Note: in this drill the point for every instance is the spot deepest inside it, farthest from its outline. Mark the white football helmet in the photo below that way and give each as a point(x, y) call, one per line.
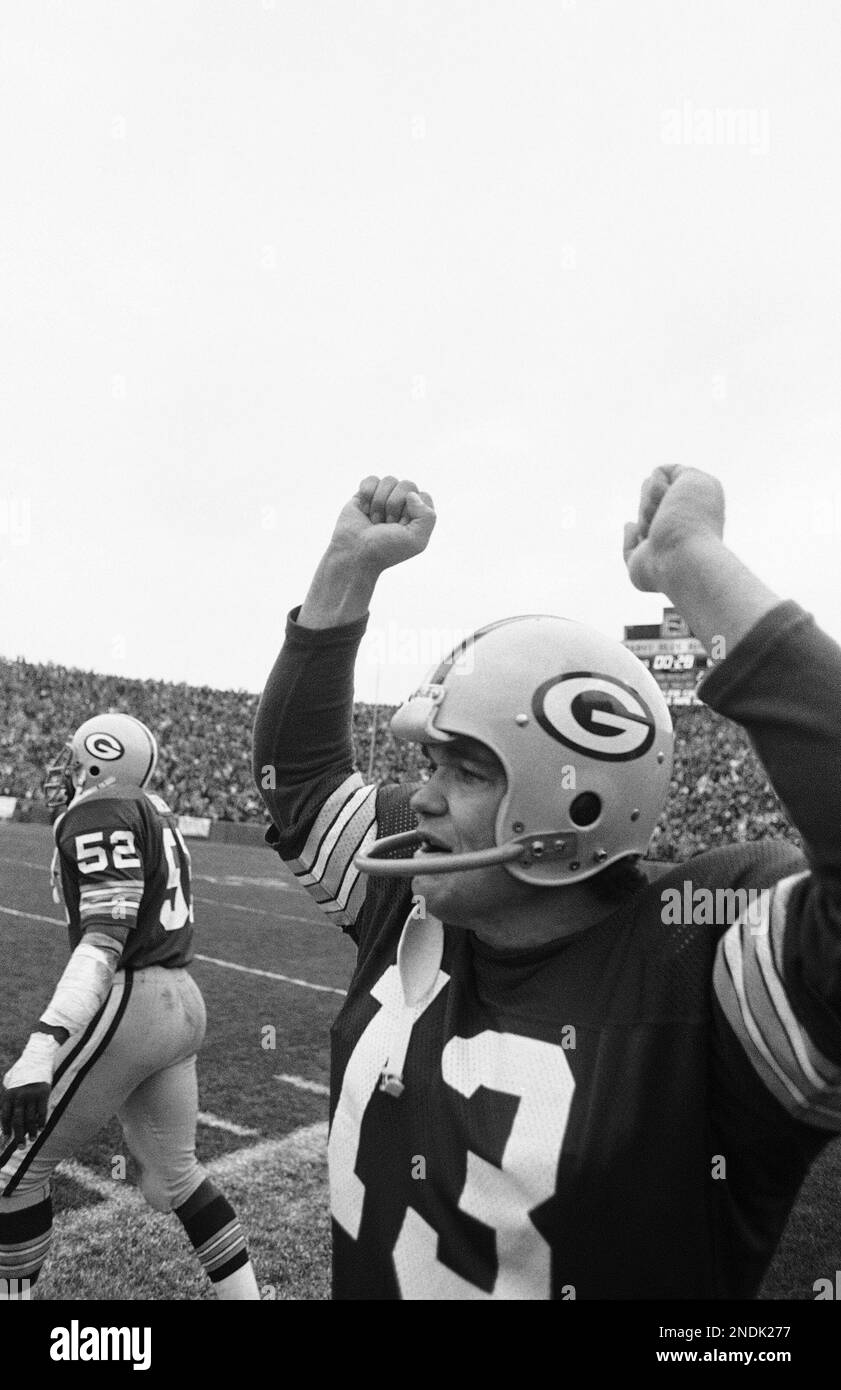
point(582, 731)
point(106, 749)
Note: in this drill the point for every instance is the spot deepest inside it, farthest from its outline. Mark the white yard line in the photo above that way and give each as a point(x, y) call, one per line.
point(33, 916)
point(275, 913)
point(302, 1084)
point(270, 975)
point(234, 907)
point(243, 881)
point(297, 1149)
point(214, 1122)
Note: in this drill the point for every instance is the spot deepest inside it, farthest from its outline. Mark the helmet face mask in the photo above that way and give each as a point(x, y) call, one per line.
point(106, 749)
point(59, 788)
point(581, 730)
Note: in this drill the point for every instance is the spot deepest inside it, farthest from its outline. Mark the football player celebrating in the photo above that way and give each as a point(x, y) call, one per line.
point(122, 1030)
point(544, 1086)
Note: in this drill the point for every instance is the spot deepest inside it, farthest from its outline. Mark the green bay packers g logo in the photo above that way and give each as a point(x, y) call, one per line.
point(104, 746)
point(596, 715)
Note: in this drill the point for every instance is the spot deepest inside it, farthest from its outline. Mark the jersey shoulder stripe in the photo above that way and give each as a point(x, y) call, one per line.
point(345, 823)
point(750, 986)
point(118, 899)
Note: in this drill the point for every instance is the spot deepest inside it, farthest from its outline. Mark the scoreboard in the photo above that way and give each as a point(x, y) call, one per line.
point(675, 658)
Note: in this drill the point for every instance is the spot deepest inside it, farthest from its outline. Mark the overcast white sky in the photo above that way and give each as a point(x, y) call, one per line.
point(253, 250)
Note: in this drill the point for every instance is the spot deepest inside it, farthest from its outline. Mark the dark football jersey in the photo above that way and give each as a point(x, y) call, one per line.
point(122, 860)
point(624, 1113)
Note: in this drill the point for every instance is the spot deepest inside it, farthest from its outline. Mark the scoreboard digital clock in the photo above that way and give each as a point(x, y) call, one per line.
point(674, 657)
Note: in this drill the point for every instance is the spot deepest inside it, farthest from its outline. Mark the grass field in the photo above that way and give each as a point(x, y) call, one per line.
point(264, 1110)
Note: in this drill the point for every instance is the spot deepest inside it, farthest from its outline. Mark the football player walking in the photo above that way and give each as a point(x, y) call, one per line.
point(542, 1085)
point(122, 1030)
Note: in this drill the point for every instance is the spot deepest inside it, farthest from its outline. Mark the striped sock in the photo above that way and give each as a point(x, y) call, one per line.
point(24, 1241)
point(216, 1235)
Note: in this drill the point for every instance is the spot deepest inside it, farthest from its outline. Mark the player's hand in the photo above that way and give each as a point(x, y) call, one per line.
point(678, 506)
point(385, 522)
point(23, 1110)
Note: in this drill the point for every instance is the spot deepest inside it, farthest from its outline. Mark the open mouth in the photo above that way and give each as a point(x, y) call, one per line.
point(431, 846)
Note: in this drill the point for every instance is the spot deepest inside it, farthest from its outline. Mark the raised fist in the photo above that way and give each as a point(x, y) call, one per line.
point(384, 523)
point(677, 507)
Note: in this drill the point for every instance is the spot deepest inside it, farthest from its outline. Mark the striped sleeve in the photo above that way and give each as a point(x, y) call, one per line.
point(116, 900)
point(345, 824)
point(750, 985)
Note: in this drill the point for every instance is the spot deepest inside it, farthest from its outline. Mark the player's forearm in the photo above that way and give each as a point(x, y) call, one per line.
point(720, 598)
point(304, 719)
point(340, 591)
point(80, 993)
point(781, 684)
point(84, 986)
point(302, 732)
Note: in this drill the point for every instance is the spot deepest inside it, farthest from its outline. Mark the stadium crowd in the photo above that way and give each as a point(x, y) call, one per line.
point(719, 792)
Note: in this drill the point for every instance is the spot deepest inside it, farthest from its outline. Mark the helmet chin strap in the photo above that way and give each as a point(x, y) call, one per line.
point(373, 863)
